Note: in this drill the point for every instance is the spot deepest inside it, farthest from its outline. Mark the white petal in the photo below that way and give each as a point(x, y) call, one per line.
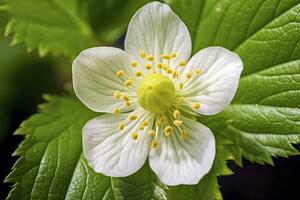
point(218, 82)
point(176, 161)
point(157, 30)
point(111, 151)
point(95, 80)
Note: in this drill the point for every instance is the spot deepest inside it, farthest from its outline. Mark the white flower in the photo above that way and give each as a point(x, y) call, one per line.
point(149, 91)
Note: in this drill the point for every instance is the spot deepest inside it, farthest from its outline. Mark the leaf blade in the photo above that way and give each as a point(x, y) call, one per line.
point(49, 26)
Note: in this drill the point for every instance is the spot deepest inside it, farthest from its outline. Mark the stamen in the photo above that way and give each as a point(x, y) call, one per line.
point(162, 119)
point(128, 103)
point(151, 132)
point(142, 54)
point(173, 55)
point(165, 68)
point(145, 123)
point(175, 74)
point(165, 56)
point(181, 63)
point(138, 73)
point(126, 97)
point(157, 123)
point(177, 122)
point(120, 73)
point(150, 58)
point(183, 134)
point(159, 65)
point(168, 130)
point(180, 85)
point(128, 82)
point(198, 71)
point(133, 63)
point(116, 111)
point(188, 75)
point(121, 126)
point(117, 94)
point(141, 127)
point(181, 99)
point(148, 66)
point(196, 105)
point(176, 113)
point(132, 117)
point(154, 144)
point(134, 136)
point(169, 71)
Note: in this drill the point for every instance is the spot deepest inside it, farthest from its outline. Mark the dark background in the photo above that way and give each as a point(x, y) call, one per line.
point(24, 77)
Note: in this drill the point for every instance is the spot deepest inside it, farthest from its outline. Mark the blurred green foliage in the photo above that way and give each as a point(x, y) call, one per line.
point(23, 78)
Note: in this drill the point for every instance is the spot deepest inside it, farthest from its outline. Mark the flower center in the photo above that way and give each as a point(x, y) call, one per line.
point(156, 93)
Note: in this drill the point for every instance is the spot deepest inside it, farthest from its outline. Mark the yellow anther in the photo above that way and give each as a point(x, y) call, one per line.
point(175, 74)
point(198, 71)
point(168, 130)
point(141, 127)
point(145, 123)
point(142, 54)
point(157, 123)
point(121, 126)
point(177, 122)
point(173, 55)
point(148, 66)
point(159, 65)
point(169, 71)
point(176, 113)
point(116, 111)
point(117, 94)
point(128, 82)
point(180, 85)
point(133, 63)
point(165, 56)
point(163, 119)
point(126, 97)
point(120, 73)
point(151, 132)
point(183, 134)
point(188, 75)
point(134, 136)
point(154, 72)
point(132, 117)
point(150, 58)
point(181, 99)
point(138, 73)
point(196, 105)
point(181, 63)
point(128, 103)
point(154, 144)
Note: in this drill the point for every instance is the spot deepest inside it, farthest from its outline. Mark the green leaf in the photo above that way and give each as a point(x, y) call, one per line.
point(263, 120)
point(51, 26)
point(51, 165)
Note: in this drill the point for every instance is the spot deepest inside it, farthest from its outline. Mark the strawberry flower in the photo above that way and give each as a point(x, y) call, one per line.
point(150, 93)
